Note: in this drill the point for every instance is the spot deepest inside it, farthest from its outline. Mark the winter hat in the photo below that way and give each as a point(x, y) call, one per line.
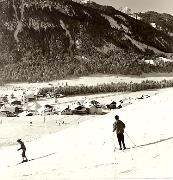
point(19, 140)
point(116, 117)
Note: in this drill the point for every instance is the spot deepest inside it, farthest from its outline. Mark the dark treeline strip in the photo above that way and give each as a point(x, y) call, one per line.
point(106, 88)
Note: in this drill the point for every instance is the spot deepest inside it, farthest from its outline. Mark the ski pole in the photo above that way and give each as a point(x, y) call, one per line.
point(130, 139)
point(114, 146)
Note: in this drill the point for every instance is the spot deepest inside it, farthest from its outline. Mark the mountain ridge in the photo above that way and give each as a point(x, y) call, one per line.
point(44, 35)
point(163, 21)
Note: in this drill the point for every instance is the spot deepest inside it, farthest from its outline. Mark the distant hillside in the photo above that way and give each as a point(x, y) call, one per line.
point(47, 40)
point(163, 22)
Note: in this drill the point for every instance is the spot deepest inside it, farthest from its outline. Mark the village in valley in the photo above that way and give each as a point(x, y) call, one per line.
point(18, 102)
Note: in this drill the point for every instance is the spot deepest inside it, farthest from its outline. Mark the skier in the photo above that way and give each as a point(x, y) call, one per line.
point(23, 150)
point(119, 126)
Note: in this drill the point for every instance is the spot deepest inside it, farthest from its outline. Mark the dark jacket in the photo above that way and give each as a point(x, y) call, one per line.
point(118, 126)
point(22, 146)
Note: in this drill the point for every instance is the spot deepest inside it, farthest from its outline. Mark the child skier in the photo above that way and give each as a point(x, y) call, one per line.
point(23, 150)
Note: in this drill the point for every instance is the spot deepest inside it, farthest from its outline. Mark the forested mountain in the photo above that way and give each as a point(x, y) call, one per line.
point(42, 40)
point(160, 21)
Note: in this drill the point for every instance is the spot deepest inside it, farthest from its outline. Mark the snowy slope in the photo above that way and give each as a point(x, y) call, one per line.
point(86, 150)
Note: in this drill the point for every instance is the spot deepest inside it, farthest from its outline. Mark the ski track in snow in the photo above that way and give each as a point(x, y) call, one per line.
point(86, 150)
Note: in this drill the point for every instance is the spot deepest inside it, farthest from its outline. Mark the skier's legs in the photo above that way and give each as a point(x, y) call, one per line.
point(119, 140)
point(24, 156)
point(122, 140)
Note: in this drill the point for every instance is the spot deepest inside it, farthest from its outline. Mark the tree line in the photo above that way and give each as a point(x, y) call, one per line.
point(106, 88)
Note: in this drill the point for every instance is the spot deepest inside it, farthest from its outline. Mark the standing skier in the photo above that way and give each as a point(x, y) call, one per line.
point(23, 150)
point(119, 126)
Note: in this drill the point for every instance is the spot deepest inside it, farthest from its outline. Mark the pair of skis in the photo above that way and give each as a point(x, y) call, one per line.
point(24, 161)
point(116, 149)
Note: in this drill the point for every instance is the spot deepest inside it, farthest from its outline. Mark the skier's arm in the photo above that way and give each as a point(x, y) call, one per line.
point(124, 126)
point(20, 148)
point(114, 127)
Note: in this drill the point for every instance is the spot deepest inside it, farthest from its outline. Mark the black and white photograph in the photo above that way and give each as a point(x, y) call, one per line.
point(86, 89)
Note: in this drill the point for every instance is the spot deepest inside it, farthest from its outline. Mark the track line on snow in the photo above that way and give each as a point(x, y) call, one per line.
point(152, 143)
point(42, 156)
point(33, 159)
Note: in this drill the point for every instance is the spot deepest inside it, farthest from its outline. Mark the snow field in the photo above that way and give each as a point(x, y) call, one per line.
point(86, 150)
point(93, 80)
point(20, 127)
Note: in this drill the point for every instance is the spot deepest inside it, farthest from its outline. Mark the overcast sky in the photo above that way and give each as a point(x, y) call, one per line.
point(162, 6)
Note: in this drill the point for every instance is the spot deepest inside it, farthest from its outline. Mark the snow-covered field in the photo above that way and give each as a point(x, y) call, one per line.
point(12, 129)
point(84, 148)
point(94, 80)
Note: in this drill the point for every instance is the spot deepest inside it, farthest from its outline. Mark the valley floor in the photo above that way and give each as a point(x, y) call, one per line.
point(20, 127)
point(94, 80)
